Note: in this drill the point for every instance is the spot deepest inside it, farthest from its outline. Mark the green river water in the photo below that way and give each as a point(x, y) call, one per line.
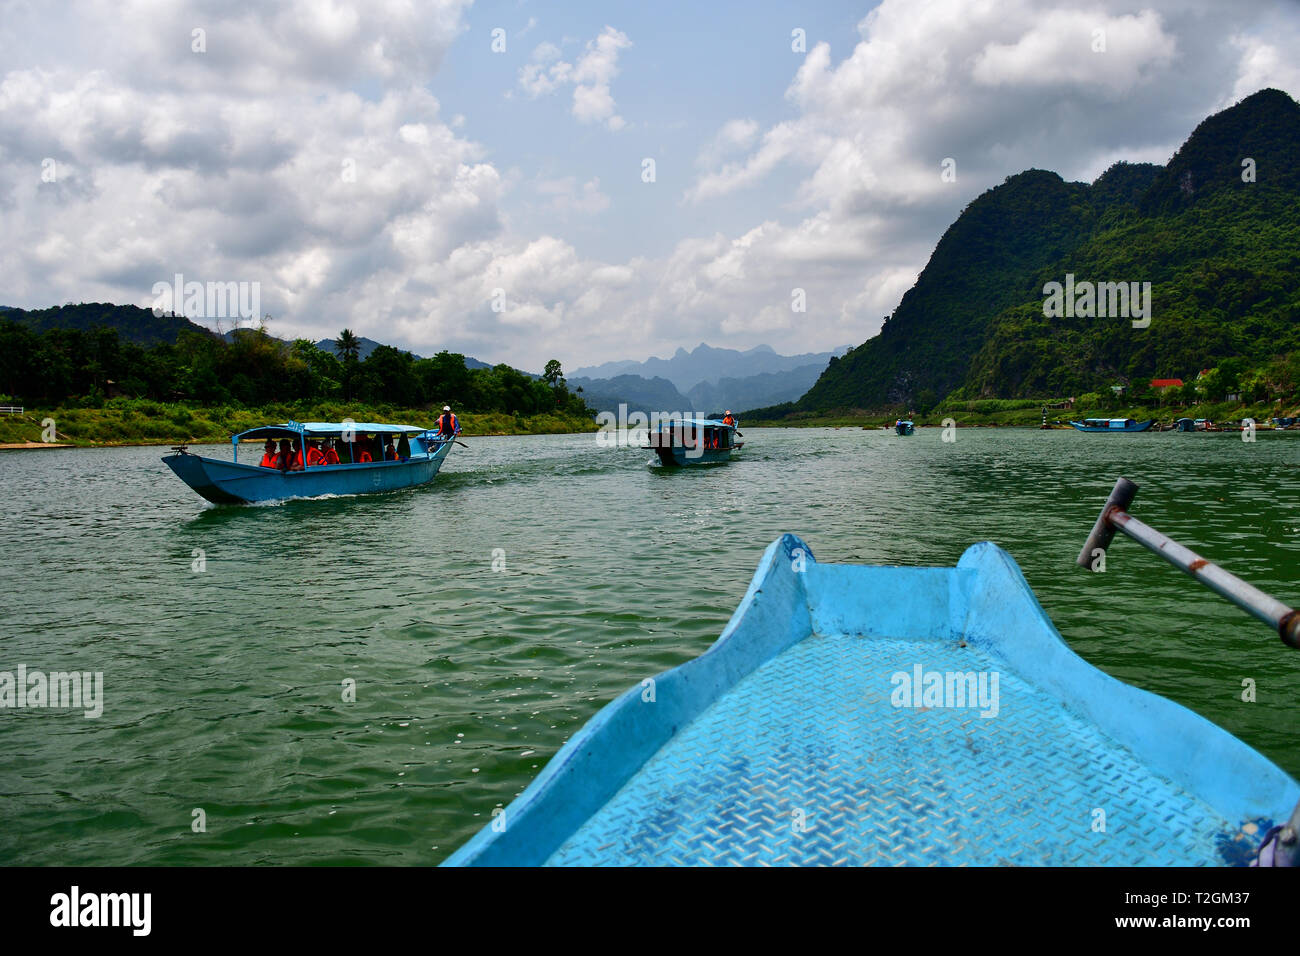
point(223, 688)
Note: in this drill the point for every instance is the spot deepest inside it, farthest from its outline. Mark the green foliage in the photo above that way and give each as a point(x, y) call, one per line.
point(255, 370)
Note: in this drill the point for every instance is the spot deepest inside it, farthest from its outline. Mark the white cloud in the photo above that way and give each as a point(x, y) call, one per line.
point(1079, 48)
point(1263, 62)
point(590, 76)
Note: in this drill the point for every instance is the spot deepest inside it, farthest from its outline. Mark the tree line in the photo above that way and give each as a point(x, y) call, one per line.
point(73, 366)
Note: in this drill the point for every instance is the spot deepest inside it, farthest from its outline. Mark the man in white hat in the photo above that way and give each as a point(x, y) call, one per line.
point(448, 424)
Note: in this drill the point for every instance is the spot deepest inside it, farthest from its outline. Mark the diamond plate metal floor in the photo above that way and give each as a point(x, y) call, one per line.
point(807, 762)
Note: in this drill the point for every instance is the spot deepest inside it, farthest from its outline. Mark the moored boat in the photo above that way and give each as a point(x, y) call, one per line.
point(1185, 425)
point(903, 427)
point(889, 715)
point(1112, 425)
point(694, 441)
point(361, 470)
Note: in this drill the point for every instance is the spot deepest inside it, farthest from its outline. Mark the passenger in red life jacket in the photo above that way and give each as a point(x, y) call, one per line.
point(268, 454)
point(331, 454)
point(448, 424)
point(364, 455)
point(728, 419)
point(284, 460)
point(390, 453)
point(315, 456)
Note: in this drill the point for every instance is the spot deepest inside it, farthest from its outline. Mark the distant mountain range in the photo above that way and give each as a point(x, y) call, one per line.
point(707, 364)
point(705, 379)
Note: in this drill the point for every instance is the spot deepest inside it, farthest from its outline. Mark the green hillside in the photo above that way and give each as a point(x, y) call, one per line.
point(1222, 256)
point(133, 324)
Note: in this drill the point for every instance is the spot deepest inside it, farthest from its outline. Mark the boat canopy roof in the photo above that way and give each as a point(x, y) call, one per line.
point(702, 422)
point(327, 430)
point(1110, 422)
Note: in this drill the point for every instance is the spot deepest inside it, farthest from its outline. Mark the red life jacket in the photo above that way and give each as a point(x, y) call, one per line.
point(315, 456)
point(268, 461)
point(331, 457)
point(447, 424)
point(365, 456)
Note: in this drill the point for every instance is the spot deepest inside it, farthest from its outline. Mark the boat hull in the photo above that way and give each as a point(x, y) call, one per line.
point(678, 457)
point(225, 482)
point(1139, 427)
point(789, 742)
point(904, 428)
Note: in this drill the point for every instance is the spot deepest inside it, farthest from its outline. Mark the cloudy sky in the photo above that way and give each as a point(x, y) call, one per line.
point(478, 176)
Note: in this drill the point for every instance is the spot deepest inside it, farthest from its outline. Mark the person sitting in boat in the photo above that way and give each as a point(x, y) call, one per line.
point(268, 454)
point(315, 457)
point(284, 460)
point(297, 456)
point(448, 424)
point(331, 453)
point(390, 453)
point(728, 419)
point(364, 455)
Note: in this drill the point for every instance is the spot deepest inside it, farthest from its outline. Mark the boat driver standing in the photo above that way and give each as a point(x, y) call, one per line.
point(448, 424)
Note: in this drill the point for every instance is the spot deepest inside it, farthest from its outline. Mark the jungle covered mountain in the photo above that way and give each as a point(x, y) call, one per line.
point(1216, 232)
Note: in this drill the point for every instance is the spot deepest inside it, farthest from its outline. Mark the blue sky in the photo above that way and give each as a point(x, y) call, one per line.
point(683, 78)
point(374, 164)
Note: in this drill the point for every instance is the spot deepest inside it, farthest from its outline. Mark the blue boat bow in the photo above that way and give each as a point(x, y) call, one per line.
point(811, 733)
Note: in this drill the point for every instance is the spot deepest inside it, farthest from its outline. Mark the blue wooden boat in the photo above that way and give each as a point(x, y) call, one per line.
point(235, 482)
point(902, 427)
point(694, 441)
point(1184, 425)
point(877, 715)
point(1113, 425)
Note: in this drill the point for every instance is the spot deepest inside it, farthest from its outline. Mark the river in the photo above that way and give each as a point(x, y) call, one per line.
point(362, 680)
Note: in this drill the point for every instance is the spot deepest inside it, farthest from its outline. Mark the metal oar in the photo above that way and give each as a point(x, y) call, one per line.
point(1115, 517)
point(1281, 845)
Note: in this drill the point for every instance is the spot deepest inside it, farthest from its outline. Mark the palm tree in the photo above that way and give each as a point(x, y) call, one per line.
point(348, 346)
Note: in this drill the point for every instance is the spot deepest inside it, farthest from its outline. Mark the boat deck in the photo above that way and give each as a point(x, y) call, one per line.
point(791, 742)
point(875, 784)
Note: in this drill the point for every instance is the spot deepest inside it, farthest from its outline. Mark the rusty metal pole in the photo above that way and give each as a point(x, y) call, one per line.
point(1115, 517)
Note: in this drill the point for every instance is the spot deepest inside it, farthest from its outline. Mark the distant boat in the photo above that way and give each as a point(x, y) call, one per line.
point(694, 441)
point(902, 427)
point(1185, 425)
point(234, 482)
point(1112, 425)
point(862, 715)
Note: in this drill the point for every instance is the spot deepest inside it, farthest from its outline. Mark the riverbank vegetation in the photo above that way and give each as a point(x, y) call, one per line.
point(122, 421)
point(102, 389)
point(1029, 412)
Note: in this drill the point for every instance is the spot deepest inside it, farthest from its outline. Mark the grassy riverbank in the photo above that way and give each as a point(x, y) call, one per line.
point(144, 422)
point(1025, 412)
